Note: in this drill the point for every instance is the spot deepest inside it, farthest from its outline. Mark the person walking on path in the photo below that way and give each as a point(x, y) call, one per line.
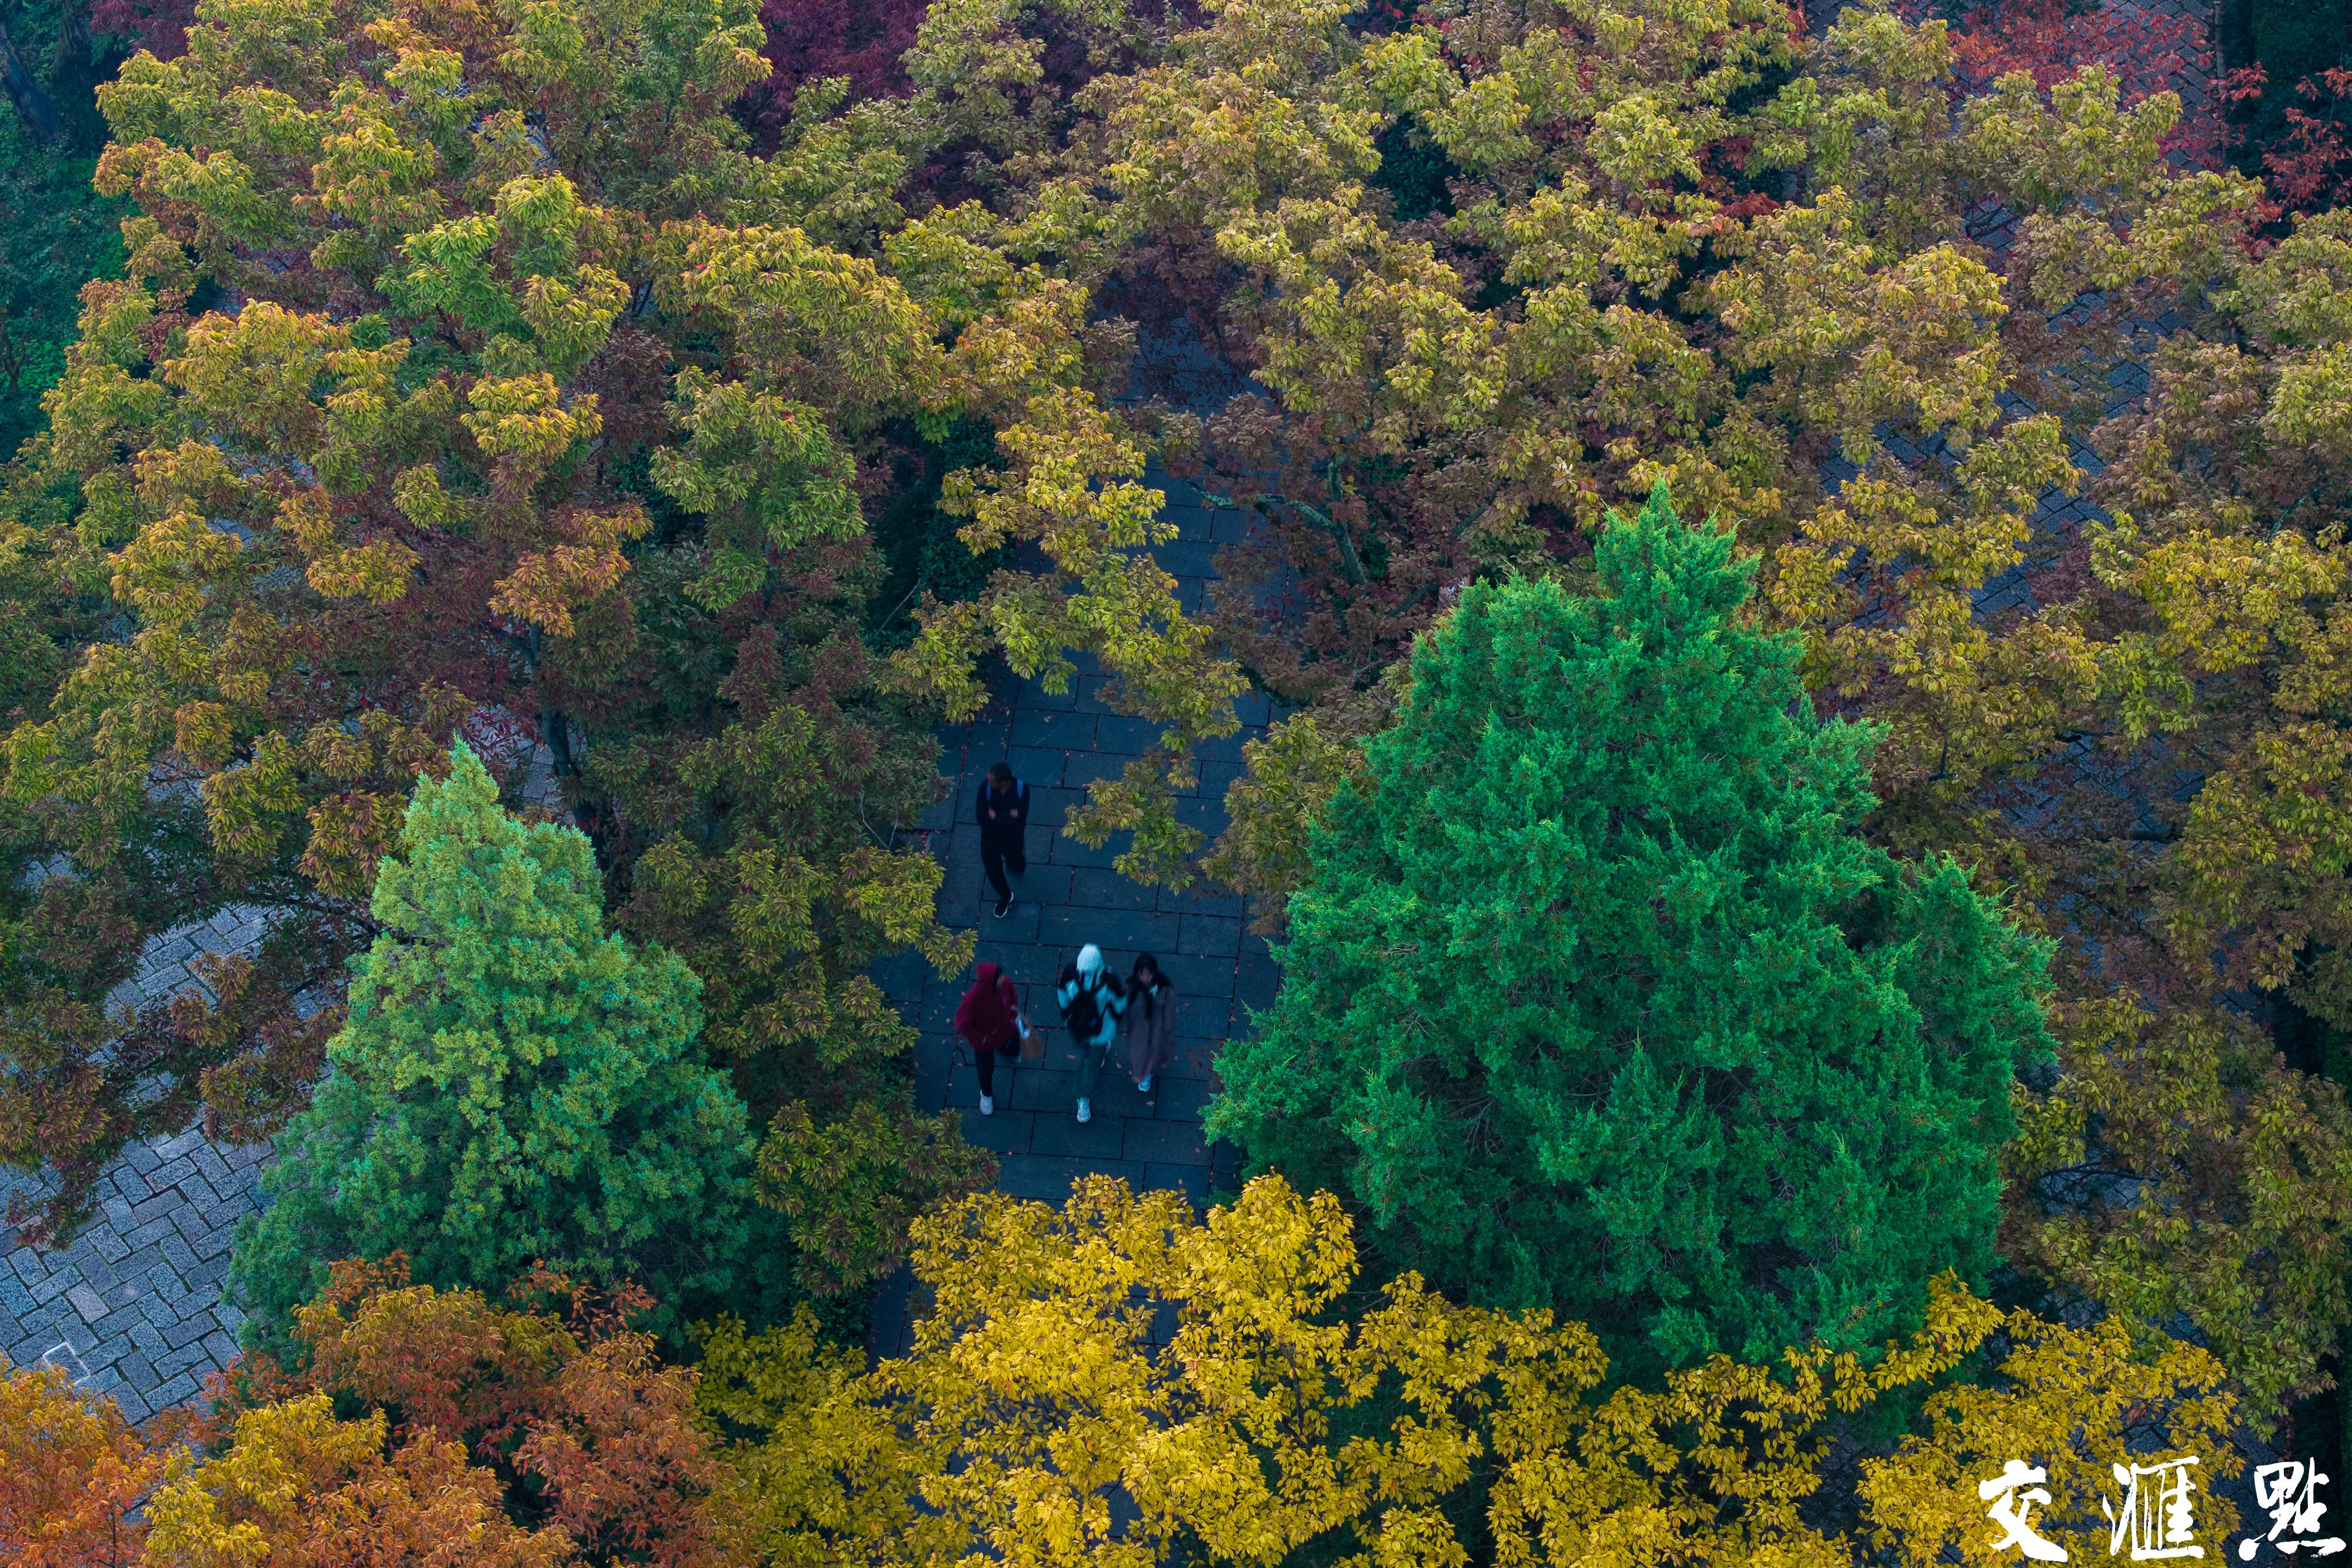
point(989, 1018)
point(1151, 1023)
point(1004, 813)
point(1091, 1002)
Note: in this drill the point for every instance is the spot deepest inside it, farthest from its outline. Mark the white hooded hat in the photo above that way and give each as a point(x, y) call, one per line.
point(1089, 959)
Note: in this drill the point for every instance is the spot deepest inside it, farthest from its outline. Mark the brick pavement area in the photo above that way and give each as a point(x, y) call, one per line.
point(133, 1307)
point(1058, 742)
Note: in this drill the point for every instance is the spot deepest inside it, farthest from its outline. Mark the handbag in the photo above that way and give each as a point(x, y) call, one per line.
point(1032, 1041)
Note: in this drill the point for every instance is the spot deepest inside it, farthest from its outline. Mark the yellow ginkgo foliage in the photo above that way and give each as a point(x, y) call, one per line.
point(1121, 1382)
point(296, 1486)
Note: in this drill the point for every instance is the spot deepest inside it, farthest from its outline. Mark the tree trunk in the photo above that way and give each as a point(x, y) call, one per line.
point(33, 105)
point(75, 64)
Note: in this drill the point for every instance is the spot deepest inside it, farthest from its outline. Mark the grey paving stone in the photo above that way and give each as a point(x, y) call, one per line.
point(1081, 768)
point(1194, 1059)
point(1202, 898)
point(1007, 1132)
point(172, 1363)
point(1049, 1179)
point(1165, 1142)
point(1205, 817)
point(1209, 936)
point(1026, 966)
point(1230, 525)
point(1181, 1099)
point(1187, 558)
point(1048, 807)
point(1064, 1134)
point(1228, 747)
point(1202, 1017)
point(155, 1206)
point(1126, 737)
point(1042, 769)
point(936, 1014)
point(1035, 694)
point(96, 1271)
point(211, 1167)
point(1051, 1090)
point(1051, 729)
point(1254, 983)
point(1044, 885)
point(175, 1391)
point(902, 976)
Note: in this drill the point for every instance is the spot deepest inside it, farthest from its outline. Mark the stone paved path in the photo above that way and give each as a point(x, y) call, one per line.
point(1058, 742)
point(133, 1307)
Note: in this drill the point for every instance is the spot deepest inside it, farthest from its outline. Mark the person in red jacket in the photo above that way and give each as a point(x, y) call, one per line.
point(989, 1018)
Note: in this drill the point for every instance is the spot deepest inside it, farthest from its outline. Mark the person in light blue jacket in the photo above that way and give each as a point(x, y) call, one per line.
point(1092, 1000)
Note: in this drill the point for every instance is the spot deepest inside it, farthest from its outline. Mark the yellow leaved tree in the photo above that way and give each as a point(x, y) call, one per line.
point(1121, 1380)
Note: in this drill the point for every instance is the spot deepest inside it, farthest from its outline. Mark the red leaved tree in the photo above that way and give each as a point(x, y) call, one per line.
point(159, 26)
point(586, 1433)
point(2309, 167)
point(2150, 49)
point(809, 41)
point(71, 1471)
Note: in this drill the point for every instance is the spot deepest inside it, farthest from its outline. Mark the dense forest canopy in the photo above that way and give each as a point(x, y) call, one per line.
point(1803, 575)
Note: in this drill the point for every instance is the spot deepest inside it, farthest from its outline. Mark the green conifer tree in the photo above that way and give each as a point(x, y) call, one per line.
point(1595, 1000)
point(513, 1085)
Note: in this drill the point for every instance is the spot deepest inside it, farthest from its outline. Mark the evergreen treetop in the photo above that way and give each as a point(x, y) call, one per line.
point(513, 1085)
point(1595, 999)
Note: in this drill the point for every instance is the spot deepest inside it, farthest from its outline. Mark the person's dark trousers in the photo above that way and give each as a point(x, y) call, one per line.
point(983, 1063)
point(999, 853)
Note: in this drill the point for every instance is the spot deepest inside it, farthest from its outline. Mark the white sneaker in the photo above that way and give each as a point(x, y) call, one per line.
point(987, 1106)
point(1144, 1087)
point(1086, 1111)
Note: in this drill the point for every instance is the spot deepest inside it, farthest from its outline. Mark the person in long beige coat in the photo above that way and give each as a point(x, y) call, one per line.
point(1150, 1020)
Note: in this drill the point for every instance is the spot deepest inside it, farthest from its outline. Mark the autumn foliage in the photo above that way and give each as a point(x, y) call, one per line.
point(1121, 1378)
point(2308, 168)
point(547, 1431)
point(71, 1472)
point(543, 375)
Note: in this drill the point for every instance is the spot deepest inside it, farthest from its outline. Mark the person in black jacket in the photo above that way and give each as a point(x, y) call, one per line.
point(1004, 813)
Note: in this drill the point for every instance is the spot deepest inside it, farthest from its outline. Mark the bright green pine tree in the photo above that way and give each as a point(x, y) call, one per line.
point(513, 1085)
point(1595, 1000)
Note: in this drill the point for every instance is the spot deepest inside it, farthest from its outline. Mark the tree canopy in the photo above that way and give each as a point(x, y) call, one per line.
point(1293, 1415)
point(512, 1085)
point(685, 406)
point(1596, 1000)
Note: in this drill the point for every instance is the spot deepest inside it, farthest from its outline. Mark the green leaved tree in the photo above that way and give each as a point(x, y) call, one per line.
point(1595, 999)
point(513, 1085)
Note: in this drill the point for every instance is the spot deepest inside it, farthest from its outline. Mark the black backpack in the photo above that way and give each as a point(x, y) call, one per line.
point(1084, 1015)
